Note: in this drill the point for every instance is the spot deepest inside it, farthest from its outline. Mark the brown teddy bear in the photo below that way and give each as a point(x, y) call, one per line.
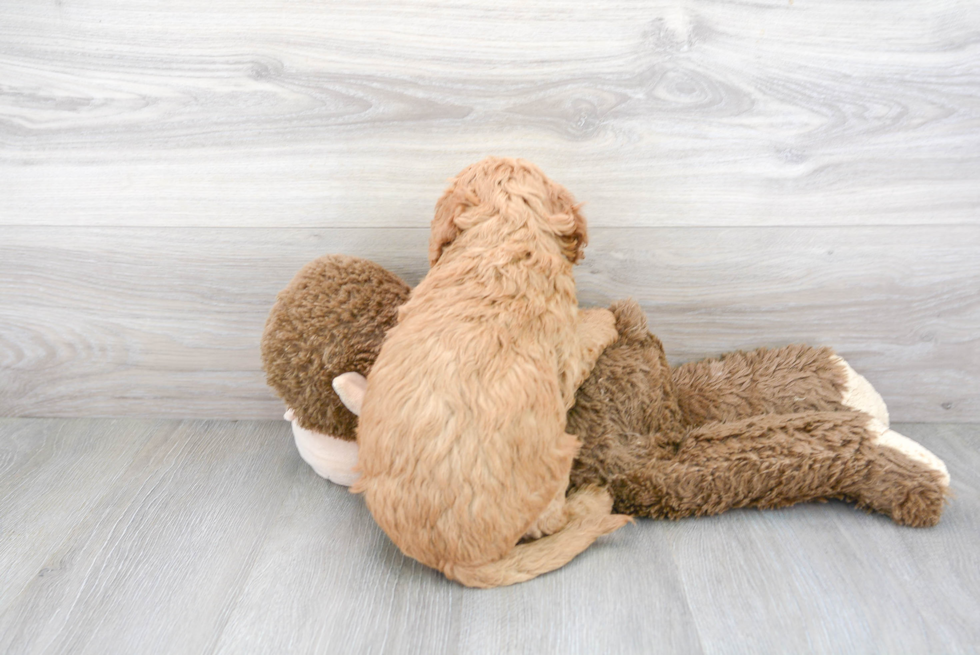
point(330, 320)
point(767, 428)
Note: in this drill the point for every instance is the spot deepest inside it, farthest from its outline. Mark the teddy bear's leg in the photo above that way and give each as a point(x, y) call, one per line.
point(795, 378)
point(902, 479)
point(885, 437)
point(779, 460)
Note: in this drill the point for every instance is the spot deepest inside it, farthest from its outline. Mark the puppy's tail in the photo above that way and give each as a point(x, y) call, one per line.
point(589, 517)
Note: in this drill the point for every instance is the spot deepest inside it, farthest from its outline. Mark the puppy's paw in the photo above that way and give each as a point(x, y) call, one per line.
point(593, 506)
point(550, 520)
point(600, 325)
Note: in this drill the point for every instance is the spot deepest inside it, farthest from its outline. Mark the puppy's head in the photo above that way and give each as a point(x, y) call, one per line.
point(499, 186)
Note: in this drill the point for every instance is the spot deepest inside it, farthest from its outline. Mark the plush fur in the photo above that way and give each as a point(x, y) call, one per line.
point(463, 448)
point(766, 428)
point(331, 319)
point(456, 473)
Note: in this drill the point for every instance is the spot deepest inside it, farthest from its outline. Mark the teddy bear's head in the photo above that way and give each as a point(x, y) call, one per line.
point(330, 319)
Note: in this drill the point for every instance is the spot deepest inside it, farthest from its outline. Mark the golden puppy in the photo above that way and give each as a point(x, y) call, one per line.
point(463, 449)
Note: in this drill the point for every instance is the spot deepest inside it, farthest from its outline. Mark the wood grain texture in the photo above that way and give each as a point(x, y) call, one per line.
point(167, 323)
point(165, 169)
point(47, 487)
point(345, 114)
point(214, 537)
point(826, 581)
point(156, 563)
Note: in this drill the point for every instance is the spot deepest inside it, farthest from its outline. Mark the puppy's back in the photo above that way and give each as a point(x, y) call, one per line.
point(462, 441)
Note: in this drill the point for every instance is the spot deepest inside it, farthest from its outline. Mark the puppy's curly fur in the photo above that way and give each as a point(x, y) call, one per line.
point(463, 447)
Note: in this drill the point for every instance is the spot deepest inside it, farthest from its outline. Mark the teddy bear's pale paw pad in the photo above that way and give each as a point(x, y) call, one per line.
point(330, 457)
point(860, 395)
point(911, 449)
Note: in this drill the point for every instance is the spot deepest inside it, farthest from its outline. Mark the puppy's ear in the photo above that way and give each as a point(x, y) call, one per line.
point(569, 224)
point(449, 220)
point(579, 238)
point(444, 229)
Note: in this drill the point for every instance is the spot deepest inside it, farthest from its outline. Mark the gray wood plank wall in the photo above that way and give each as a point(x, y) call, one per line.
point(755, 173)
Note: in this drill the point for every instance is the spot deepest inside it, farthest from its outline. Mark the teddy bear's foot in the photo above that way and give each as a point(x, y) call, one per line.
point(330, 457)
point(860, 395)
point(900, 478)
point(922, 506)
point(883, 436)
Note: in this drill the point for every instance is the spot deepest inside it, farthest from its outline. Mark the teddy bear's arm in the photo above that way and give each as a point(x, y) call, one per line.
point(779, 460)
point(766, 381)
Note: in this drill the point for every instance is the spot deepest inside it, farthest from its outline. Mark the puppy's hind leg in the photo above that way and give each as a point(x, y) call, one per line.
point(553, 517)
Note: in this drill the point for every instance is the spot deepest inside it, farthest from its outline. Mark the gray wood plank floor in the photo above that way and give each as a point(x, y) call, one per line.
point(138, 536)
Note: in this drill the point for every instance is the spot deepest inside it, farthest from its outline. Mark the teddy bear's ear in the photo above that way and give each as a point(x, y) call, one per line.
point(350, 388)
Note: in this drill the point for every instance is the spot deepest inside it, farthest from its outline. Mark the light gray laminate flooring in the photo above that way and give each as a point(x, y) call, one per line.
point(166, 536)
